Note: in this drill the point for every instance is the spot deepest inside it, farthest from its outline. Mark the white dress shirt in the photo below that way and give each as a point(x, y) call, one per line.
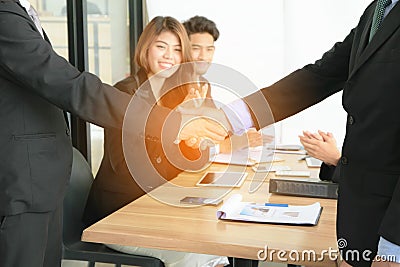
point(27, 6)
point(389, 7)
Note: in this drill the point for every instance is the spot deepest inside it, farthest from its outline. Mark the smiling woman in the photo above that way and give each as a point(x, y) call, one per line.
point(164, 52)
point(162, 46)
point(113, 175)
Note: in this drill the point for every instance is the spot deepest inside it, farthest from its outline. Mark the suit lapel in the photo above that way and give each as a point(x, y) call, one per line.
point(144, 85)
point(365, 36)
point(46, 37)
point(22, 12)
point(388, 27)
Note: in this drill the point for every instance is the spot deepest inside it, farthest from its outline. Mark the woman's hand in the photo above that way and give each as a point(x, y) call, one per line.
point(197, 96)
point(322, 146)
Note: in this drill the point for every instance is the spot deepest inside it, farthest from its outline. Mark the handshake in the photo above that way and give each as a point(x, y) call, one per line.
point(204, 126)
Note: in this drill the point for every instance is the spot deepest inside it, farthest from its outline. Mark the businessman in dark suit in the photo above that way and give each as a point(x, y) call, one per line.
point(36, 85)
point(365, 65)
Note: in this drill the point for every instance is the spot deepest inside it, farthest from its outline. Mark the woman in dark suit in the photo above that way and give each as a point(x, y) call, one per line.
point(365, 67)
point(162, 45)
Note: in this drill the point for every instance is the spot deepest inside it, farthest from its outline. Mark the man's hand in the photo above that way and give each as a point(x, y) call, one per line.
point(322, 146)
point(205, 112)
point(196, 130)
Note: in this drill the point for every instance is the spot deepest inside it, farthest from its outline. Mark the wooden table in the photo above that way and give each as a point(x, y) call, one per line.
point(147, 222)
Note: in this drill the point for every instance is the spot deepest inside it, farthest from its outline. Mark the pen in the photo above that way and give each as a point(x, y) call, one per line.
point(270, 204)
point(276, 205)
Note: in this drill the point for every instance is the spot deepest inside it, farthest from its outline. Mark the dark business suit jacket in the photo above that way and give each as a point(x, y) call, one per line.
point(369, 170)
point(36, 85)
point(114, 185)
point(327, 173)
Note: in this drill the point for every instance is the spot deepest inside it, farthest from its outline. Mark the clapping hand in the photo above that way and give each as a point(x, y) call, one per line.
point(321, 145)
point(196, 96)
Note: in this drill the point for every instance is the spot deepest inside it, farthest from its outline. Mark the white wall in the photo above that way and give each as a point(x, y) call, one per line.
point(312, 27)
point(267, 39)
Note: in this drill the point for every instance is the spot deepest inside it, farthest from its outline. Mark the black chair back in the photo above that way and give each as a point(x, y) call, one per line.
point(75, 198)
point(74, 205)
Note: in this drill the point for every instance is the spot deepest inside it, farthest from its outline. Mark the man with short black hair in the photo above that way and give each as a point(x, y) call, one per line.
point(202, 34)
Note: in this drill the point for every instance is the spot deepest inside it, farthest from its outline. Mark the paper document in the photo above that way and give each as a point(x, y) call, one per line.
point(246, 156)
point(287, 149)
point(236, 210)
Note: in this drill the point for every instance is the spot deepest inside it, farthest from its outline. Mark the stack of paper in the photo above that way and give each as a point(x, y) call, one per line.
point(287, 149)
point(246, 156)
point(236, 210)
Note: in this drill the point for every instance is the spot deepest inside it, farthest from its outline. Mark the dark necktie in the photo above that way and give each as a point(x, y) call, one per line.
point(378, 16)
point(35, 18)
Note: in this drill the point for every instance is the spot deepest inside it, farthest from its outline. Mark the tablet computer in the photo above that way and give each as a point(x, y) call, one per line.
point(224, 179)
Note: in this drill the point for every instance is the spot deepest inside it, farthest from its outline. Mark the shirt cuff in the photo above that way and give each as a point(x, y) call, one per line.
point(388, 251)
point(239, 116)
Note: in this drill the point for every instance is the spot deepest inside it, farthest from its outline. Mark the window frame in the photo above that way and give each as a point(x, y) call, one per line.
point(78, 57)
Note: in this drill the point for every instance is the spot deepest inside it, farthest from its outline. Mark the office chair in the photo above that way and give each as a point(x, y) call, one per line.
point(74, 204)
point(236, 262)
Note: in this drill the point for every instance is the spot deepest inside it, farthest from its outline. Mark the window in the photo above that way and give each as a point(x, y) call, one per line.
point(108, 54)
point(54, 23)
